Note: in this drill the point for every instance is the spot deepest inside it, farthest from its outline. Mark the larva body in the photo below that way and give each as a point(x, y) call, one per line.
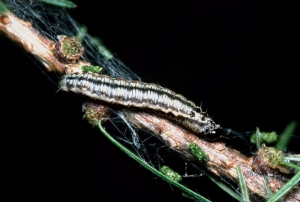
point(140, 95)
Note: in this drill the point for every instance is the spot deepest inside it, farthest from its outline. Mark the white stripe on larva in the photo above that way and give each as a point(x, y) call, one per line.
point(142, 96)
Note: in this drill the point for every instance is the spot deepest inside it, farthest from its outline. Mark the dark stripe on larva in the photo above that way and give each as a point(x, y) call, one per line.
point(140, 95)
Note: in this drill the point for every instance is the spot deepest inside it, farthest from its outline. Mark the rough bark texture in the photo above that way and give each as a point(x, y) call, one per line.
point(43, 49)
point(222, 161)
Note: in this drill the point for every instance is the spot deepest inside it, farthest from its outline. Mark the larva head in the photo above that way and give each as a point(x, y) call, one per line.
point(213, 131)
point(215, 134)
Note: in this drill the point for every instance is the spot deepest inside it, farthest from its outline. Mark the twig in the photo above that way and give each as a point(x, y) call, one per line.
point(222, 161)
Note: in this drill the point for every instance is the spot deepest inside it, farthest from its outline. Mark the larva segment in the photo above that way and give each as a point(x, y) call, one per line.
point(140, 95)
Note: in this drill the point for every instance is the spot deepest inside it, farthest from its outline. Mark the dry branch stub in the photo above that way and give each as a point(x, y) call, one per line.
point(222, 160)
point(38, 45)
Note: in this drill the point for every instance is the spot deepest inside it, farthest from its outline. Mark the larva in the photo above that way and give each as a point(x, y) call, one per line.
point(147, 96)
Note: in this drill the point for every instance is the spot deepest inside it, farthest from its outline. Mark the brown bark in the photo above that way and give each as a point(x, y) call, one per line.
point(222, 161)
point(42, 48)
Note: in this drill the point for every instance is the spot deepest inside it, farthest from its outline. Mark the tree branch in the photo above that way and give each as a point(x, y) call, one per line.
point(222, 161)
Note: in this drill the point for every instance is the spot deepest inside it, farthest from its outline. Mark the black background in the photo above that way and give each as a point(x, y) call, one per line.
point(236, 58)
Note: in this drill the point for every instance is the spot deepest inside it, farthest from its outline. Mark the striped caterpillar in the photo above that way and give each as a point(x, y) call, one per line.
point(147, 96)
